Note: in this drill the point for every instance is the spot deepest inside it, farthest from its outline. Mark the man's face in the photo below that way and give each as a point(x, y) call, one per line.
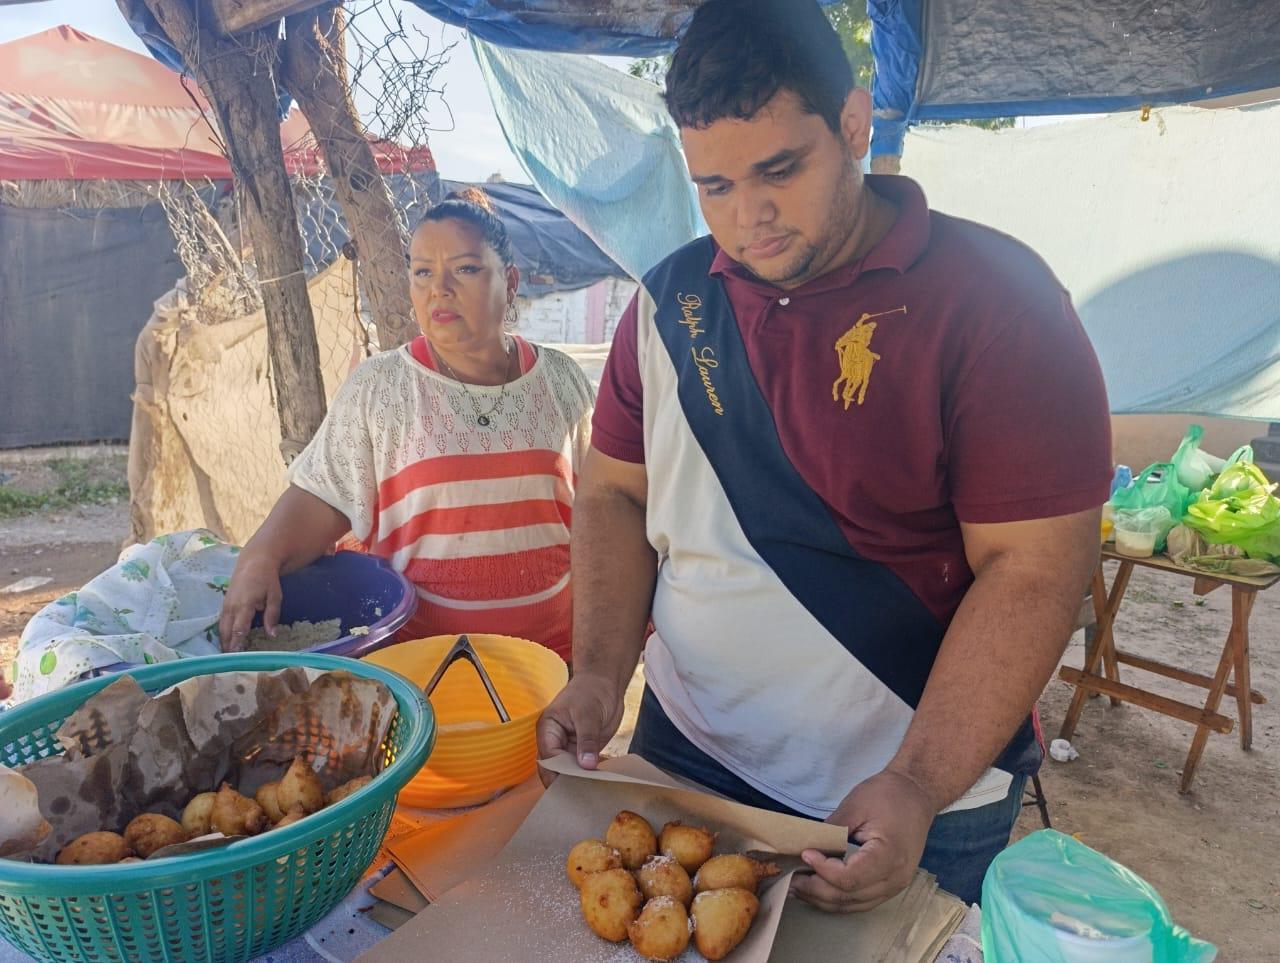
point(780, 191)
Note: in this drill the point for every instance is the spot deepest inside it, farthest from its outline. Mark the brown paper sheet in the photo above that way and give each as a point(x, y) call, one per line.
point(910, 928)
point(389, 915)
point(397, 889)
point(444, 854)
point(128, 753)
point(523, 906)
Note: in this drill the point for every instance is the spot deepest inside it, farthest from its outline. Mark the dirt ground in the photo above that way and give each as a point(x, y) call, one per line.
point(67, 543)
point(1214, 854)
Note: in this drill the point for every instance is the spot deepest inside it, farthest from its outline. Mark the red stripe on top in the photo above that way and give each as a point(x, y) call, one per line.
point(423, 354)
point(491, 578)
point(448, 468)
point(528, 354)
point(476, 518)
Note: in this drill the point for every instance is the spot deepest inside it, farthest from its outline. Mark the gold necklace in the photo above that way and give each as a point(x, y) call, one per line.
point(482, 419)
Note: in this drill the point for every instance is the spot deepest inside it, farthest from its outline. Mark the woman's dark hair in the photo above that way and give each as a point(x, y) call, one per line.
point(738, 54)
point(474, 206)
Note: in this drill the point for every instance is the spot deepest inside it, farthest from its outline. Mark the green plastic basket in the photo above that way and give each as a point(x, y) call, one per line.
point(227, 904)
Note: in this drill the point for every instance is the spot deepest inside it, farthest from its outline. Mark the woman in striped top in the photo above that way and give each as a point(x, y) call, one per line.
point(454, 456)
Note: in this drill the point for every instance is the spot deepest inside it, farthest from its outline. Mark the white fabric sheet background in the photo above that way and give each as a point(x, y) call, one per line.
point(1166, 231)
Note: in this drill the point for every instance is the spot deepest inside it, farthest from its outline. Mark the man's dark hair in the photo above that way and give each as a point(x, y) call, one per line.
point(738, 54)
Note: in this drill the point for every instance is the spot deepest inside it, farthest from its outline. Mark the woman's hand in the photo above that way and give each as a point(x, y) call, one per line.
point(255, 587)
point(298, 531)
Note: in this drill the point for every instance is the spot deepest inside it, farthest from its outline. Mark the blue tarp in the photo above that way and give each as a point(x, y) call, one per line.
point(959, 59)
point(620, 28)
point(956, 59)
point(935, 59)
point(550, 251)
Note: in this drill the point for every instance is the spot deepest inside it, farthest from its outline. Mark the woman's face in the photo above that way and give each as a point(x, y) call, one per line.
point(459, 286)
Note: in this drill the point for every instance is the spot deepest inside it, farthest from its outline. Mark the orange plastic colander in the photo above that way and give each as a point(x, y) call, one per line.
point(476, 756)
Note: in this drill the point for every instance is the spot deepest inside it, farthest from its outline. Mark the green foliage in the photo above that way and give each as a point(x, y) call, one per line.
point(76, 486)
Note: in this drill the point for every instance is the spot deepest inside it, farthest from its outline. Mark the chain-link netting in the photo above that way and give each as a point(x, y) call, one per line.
point(205, 443)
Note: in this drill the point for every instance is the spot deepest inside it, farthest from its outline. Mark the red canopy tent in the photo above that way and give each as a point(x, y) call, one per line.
point(73, 107)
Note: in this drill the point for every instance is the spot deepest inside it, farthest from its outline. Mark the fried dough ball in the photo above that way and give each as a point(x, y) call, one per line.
point(94, 849)
point(291, 817)
point(195, 818)
point(236, 815)
point(732, 871)
point(661, 931)
point(346, 789)
point(664, 876)
point(268, 797)
point(632, 836)
point(300, 787)
point(691, 845)
point(721, 919)
point(590, 856)
point(610, 903)
point(151, 831)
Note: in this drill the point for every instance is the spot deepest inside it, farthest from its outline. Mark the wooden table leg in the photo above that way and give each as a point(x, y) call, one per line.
point(1110, 667)
point(1241, 611)
point(1098, 596)
point(1237, 638)
point(1106, 619)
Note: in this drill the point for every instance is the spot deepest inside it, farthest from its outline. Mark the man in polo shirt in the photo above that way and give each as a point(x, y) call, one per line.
point(848, 456)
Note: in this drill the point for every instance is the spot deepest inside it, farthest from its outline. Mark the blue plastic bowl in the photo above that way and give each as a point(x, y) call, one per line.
point(360, 590)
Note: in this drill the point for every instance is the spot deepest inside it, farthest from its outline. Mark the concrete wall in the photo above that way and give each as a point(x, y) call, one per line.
point(1139, 440)
point(564, 317)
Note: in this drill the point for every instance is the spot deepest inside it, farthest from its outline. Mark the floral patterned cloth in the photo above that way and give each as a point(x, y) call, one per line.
point(159, 602)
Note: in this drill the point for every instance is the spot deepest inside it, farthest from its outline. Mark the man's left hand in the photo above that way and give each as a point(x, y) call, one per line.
point(889, 816)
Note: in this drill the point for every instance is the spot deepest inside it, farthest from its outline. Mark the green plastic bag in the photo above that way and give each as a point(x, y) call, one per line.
point(1156, 487)
point(1240, 509)
point(1194, 466)
point(1052, 899)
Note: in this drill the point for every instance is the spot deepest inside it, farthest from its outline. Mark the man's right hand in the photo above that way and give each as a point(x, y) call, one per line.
point(581, 719)
point(255, 587)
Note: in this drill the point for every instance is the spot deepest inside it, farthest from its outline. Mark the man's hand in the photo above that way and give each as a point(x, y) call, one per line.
point(581, 719)
point(889, 816)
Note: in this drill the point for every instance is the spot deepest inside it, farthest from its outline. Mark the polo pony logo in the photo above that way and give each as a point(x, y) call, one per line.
point(853, 349)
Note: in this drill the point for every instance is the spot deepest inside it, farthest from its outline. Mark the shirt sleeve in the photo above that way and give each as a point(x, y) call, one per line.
point(1029, 429)
point(337, 466)
point(618, 425)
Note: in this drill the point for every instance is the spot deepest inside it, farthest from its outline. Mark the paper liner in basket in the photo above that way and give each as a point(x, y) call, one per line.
point(128, 753)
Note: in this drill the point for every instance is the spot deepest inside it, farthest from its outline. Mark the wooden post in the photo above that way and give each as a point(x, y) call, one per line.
point(237, 76)
point(236, 16)
point(314, 70)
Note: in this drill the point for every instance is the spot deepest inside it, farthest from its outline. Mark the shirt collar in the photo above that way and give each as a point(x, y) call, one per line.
point(898, 250)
